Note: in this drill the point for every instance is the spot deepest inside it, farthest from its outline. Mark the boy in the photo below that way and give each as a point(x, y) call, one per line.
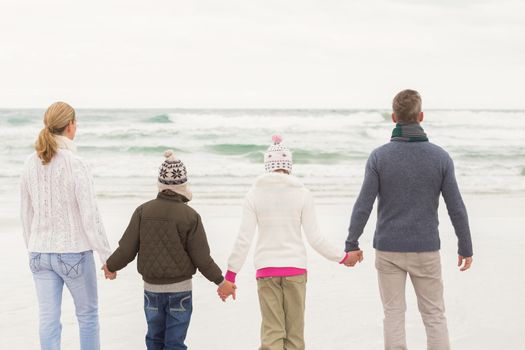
point(171, 244)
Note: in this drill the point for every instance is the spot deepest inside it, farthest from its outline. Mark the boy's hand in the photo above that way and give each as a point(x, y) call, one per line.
point(108, 274)
point(226, 288)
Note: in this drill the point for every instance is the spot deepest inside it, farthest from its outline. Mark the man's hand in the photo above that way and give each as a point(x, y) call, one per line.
point(108, 274)
point(464, 262)
point(353, 258)
point(226, 288)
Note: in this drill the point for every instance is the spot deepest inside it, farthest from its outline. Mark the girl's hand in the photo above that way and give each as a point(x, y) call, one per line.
point(226, 288)
point(353, 258)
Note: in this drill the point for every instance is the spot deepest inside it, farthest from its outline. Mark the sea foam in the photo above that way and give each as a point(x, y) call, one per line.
point(223, 149)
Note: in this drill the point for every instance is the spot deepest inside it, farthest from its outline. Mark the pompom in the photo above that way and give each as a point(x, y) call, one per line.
point(168, 153)
point(277, 139)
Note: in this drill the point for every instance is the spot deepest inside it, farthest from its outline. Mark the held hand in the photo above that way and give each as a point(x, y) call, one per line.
point(353, 258)
point(108, 274)
point(464, 263)
point(226, 288)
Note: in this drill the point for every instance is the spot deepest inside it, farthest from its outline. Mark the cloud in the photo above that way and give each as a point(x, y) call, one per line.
point(261, 53)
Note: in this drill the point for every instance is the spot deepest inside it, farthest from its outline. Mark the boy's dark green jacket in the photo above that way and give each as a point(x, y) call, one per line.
point(170, 240)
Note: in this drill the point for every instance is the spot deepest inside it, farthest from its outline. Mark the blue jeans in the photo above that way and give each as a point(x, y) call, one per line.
point(168, 316)
point(77, 271)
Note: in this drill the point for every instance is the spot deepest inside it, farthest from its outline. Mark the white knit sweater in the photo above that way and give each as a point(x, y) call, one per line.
point(58, 206)
point(278, 205)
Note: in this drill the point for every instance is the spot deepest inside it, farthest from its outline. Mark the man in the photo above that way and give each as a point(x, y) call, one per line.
point(407, 176)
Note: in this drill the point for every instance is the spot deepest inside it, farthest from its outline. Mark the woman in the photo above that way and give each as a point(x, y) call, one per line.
point(278, 205)
point(62, 227)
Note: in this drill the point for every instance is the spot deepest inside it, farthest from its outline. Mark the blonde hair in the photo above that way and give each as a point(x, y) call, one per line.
point(56, 119)
point(407, 106)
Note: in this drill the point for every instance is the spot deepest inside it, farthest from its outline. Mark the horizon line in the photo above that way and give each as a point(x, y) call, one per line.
point(272, 109)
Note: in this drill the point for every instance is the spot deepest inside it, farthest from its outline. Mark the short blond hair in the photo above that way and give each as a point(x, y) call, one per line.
point(407, 106)
point(56, 119)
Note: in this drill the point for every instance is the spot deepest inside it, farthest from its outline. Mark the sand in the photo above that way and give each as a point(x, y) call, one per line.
point(485, 306)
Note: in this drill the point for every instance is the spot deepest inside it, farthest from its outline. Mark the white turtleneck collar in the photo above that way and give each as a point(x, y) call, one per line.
point(65, 143)
point(277, 179)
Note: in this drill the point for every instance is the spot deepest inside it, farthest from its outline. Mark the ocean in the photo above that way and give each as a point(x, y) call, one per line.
point(223, 149)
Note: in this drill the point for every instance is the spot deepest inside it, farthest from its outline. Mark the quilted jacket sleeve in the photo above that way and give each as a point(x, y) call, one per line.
point(128, 246)
point(199, 252)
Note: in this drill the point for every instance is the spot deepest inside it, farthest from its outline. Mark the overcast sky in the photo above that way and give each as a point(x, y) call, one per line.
point(262, 54)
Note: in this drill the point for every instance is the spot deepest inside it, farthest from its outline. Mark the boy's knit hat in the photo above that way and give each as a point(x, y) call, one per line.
point(172, 171)
point(173, 175)
point(278, 156)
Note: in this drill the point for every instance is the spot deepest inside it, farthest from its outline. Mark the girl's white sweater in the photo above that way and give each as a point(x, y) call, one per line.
point(58, 206)
point(278, 205)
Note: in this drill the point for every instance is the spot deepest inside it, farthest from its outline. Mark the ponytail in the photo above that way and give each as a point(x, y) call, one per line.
point(56, 119)
point(46, 146)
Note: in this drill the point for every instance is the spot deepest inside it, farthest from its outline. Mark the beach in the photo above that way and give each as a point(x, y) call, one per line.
point(214, 84)
point(222, 150)
point(484, 305)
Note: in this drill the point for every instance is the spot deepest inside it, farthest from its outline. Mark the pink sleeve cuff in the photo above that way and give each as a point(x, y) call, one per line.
point(230, 276)
point(344, 258)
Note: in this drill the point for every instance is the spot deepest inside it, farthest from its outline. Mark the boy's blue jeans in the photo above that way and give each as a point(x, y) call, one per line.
point(168, 316)
point(77, 271)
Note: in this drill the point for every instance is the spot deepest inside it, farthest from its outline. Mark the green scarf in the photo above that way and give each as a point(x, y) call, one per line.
point(409, 133)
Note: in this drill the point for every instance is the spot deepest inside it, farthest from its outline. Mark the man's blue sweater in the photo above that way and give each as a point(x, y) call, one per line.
point(407, 178)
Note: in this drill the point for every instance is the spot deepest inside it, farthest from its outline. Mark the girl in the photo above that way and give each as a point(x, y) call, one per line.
point(278, 205)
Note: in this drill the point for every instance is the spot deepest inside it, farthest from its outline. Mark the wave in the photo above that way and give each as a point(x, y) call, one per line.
point(236, 149)
point(386, 115)
point(255, 157)
point(20, 120)
point(130, 134)
point(130, 149)
point(490, 155)
point(224, 149)
point(159, 119)
point(255, 153)
point(318, 157)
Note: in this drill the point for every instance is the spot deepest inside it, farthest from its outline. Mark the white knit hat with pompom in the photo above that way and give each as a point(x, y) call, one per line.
point(278, 156)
